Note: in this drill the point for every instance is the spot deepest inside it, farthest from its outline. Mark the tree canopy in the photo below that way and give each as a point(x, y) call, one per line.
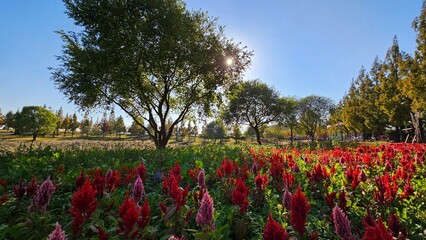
point(314, 112)
point(35, 120)
point(253, 103)
point(156, 60)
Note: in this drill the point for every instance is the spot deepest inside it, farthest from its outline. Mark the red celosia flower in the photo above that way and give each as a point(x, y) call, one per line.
point(163, 208)
point(394, 224)
point(219, 173)
point(386, 189)
point(175, 171)
point(128, 213)
point(19, 190)
point(288, 179)
point(141, 171)
point(112, 179)
point(313, 236)
point(98, 182)
point(181, 199)
point(4, 199)
point(319, 173)
point(144, 215)
point(80, 179)
point(227, 166)
point(299, 209)
point(362, 177)
point(83, 205)
point(368, 220)
point(273, 230)
point(239, 196)
point(343, 201)
point(261, 181)
point(408, 190)
point(329, 199)
point(102, 234)
point(32, 187)
point(377, 232)
point(341, 224)
point(57, 234)
point(3, 183)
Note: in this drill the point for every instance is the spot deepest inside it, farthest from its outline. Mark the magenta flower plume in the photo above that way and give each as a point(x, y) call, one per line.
point(138, 190)
point(286, 199)
point(57, 234)
point(42, 198)
point(205, 213)
point(342, 225)
point(201, 179)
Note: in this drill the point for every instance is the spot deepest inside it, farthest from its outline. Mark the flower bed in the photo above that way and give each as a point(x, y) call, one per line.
point(215, 193)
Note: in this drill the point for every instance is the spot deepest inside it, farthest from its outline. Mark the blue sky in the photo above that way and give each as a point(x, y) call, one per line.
point(300, 47)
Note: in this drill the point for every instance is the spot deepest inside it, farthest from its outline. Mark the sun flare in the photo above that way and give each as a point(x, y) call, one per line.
point(229, 61)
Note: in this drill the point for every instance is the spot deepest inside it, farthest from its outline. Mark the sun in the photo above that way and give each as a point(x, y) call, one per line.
point(229, 61)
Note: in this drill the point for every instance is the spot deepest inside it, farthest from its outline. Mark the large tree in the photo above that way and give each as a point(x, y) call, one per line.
point(253, 103)
point(314, 112)
point(391, 100)
point(289, 107)
point(414, 82)
point(156, 60)
point(74, 124)
point(36, 120)
point(9, 120)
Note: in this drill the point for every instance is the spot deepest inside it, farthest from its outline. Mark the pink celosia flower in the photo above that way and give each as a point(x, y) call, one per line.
point(205, 213)
point(341, 224)
point(201, 179)
point(138, 190)
point(57, 234)
point(286, 199)
point(42, 198)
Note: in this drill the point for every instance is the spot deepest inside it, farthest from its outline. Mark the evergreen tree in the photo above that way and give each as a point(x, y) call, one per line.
point(60, 117)
point(135, 129)
point(352, 107)
point(112, 122)
point(86, 124)
point(391, 100)
point(74, 124)
point(104, 125)
point(119, 126)
point(414, 83)
point(9, 120)
point(66, 124)
point(288, 116)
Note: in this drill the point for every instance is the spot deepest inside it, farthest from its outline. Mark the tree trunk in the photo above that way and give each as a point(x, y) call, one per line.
point(35, 136)
point(72, 133)
point(416, 125)
point(291, 136)
point(256, 130)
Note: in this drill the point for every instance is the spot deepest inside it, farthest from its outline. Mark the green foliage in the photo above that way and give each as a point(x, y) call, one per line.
point(35, 120)
point(153, 70)
point(391, 100)
point(313, 113)
point(253, 103)
point(215, 130)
